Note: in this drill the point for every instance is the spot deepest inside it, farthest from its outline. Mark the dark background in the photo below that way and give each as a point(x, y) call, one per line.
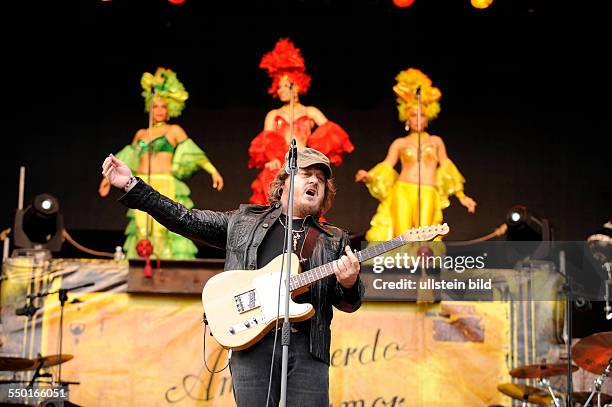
point(524, 99)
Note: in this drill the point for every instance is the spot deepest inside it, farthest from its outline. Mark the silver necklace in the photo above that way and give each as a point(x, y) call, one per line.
point(296, 233)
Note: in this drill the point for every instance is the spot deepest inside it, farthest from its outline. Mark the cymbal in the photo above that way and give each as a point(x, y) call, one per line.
point(582, 396)
point(525, 393)
point(540, 371)
point(52, 360)
point(594, 352)
point(15, 364)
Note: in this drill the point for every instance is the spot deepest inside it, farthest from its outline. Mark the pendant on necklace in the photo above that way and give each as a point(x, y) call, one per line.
point(296, 237)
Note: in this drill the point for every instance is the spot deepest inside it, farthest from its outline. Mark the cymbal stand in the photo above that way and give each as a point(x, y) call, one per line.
point(63, 298)
point(37, 372)
point(598, 382)
point(546, 383)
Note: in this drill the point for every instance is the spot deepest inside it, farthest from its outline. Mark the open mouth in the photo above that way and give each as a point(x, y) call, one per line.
point(311, 192)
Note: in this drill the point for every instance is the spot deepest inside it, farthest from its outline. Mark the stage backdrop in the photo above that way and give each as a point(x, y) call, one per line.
point(133, 350)
point(525, 120)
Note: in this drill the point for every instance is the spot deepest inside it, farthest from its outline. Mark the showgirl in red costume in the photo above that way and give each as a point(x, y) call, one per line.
point(285, 65)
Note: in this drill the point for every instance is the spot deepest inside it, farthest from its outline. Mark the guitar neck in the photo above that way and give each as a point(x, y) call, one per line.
point(308, 277)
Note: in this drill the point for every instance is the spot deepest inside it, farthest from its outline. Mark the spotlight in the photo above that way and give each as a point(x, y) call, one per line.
point(516, 214)
point(525, 226)
point(40, 225)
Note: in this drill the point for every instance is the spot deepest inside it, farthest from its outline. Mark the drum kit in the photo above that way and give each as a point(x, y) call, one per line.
point(26, 388)
point(593, 354)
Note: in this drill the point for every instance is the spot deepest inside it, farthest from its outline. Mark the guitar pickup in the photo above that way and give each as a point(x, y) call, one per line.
point(246, 301)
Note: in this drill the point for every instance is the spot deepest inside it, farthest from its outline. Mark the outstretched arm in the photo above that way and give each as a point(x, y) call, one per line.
point(200, 225)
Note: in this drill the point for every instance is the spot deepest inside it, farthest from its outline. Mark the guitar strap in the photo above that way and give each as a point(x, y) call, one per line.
point(308, 247)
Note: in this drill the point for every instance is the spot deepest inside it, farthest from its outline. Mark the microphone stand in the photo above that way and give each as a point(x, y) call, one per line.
point(419, 124)
point(63, 297)
point(567, 289)
point(149, 153)
point(286, 330)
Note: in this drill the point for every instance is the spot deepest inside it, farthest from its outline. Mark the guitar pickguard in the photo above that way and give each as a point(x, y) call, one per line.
point(267, 288)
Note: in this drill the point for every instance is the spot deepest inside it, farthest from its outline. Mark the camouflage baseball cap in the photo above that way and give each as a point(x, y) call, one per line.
point(309, 156)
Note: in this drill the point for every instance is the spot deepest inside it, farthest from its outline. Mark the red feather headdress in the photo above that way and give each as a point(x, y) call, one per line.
point(285, 60)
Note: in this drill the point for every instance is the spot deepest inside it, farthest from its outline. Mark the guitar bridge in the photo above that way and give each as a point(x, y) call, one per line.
point(246, 301)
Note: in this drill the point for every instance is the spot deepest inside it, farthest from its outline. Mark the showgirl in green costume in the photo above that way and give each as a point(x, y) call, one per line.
point(174, 158)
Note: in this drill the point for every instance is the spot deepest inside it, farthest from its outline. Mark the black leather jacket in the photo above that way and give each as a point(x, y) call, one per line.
point(240, 232)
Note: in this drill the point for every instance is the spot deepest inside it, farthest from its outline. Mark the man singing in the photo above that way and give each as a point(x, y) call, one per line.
point(252, 235)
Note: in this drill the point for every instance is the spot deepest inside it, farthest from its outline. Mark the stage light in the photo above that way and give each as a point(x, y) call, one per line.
point(176, 2)
point(403, 3)
point(40, 225)
point(481, 4)
point(524, 226)
point(515, 217)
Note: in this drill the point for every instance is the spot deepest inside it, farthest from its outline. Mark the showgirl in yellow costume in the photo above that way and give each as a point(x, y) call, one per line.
point(174, 157)
point(398, 194)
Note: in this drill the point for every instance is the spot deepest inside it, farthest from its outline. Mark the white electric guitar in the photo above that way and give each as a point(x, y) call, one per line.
point(241, 306)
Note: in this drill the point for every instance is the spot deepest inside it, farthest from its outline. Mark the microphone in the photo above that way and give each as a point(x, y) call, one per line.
point(27, 310)
point(291, 157)
point(418, 90)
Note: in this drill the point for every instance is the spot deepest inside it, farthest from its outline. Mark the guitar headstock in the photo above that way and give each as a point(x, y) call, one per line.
point(425, 233)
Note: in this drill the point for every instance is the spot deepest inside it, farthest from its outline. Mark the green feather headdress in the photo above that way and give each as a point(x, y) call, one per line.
point(167, 87)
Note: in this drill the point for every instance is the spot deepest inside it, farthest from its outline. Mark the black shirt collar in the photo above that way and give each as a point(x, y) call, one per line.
point(277, 210)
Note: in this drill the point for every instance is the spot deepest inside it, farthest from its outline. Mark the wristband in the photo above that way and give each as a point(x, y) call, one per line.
point(130, 184)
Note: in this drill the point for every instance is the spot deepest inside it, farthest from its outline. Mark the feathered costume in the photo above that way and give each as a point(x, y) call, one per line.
point(187, 159)
point(398, 208)
point(285, 60)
